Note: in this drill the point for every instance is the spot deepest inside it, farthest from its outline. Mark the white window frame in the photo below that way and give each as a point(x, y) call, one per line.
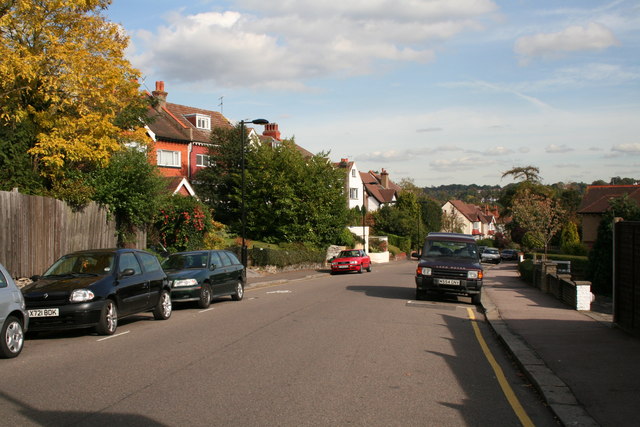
point(353, 172)
point(353, 193)
point(203, 122)
point(203, 160)
point(175, 158)
point(476, 225)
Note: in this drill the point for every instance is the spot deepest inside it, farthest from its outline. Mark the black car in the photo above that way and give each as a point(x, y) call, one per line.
point(203, 275)
point(509, 254)
point(449, 264)
point(95, 288)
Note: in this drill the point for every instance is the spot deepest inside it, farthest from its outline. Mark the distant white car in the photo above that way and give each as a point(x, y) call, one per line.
point(490, 255)
point(13, 317)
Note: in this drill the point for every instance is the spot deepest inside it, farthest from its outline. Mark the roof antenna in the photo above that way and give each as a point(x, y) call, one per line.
point(221, 105)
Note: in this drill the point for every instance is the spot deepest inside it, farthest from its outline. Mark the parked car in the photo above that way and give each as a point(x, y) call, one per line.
point(449, 264)
point(490, 255)
point(95, 288)
point(509, 254)
point(351, 260)
point(13, 317)
point(203, 275)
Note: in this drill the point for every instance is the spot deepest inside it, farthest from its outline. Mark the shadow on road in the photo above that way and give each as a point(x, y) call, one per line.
point(389, 292)
point(77, 417)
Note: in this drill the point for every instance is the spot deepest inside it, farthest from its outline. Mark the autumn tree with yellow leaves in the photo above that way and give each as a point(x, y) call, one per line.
point(69, 99)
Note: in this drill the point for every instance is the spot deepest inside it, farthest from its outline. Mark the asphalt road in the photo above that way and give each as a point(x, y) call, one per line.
point(332, 350)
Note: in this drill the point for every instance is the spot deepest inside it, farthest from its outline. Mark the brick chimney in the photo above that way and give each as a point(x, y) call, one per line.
point(384, 179)
point(160, 94)
point(271, 129)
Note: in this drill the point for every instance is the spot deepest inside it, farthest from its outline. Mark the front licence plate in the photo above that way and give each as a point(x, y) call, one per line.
point(447, 282)
point(343, 266)
point(44, 312)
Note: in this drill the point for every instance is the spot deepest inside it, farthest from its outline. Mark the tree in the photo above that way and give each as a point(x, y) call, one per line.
point(526, 173)
point(600, 258)
point(288, 197)
point(66, 86)
point(132, 189)
point(451, 223)
point(539, 215)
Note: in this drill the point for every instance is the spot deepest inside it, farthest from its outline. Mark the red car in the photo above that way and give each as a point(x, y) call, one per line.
point(351, 260)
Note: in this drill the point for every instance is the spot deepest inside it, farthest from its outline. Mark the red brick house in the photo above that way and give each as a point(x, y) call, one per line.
point(596, 202)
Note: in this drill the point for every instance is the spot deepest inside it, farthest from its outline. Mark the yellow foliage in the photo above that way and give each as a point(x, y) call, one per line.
point(63, 68)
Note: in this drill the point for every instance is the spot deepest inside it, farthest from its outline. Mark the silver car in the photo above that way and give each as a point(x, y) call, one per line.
point(490, 255)
point(13, 317)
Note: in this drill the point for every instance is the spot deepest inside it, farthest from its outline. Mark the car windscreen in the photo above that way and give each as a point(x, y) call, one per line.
point(347, 254)
point(449, 249)
point(185, 261)
point(85, 263)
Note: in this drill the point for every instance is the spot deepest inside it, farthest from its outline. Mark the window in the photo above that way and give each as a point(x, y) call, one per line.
point(168, 158)
point(353, 172)
point(202, 160)
point(3, 281)
point(476, 225)
point(215, 259)
point(150, 262)
point(203, 122)
point(129, 260)
point(353, 193)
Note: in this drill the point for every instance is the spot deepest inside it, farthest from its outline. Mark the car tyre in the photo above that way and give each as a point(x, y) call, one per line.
point(421, 295)
point(369, 268)
point(360, 269)
point(205, 296)
point(163, 308)
point(108, 322)
point(239, 294)
point(12, 338)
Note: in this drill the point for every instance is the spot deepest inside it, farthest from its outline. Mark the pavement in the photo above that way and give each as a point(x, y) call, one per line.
point(584, 368)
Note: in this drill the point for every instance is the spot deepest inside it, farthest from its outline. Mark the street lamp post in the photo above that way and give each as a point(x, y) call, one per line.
point(364, 214)
point(243, 253)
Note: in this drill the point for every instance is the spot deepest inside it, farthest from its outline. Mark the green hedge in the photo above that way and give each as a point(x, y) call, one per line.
point(526, 270)
point(283, 257)
point(404, 243)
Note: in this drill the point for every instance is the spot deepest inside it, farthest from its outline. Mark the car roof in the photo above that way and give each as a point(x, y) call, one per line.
point(454, 237)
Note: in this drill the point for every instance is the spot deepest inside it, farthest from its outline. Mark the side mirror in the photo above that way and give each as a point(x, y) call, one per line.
point(34, 277)
point(127, 272)
point(212, 267)
point(415, 255)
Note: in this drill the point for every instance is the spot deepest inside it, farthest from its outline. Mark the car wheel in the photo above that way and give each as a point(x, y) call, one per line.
point(360, 269)
point(475, 299)
point(205, 296)
point(108, 319)
point(163, 308)
point(369, 268)
point(239, 291)
point(12, 338)
point(421, 295)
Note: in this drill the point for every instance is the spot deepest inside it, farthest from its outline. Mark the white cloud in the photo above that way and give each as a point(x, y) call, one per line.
point(285, 45)
point(553, 148)
point(464, 162)
point(593, 36)
point(498, 151)
point(627, 148)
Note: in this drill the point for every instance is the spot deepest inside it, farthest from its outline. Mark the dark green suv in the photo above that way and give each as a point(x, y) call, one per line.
point(449, 264)
point(203, 275)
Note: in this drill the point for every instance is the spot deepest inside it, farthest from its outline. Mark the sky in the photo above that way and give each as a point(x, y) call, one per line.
point(436, 91)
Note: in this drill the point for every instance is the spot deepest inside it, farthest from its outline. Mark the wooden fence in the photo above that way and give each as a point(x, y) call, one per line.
point(626, 307)
point(35, 231)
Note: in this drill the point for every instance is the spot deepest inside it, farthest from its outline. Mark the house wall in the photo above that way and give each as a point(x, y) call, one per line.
point(171, 146)
point(354, 182)
point(468, 225)
point(590, 223)
point(195, 150)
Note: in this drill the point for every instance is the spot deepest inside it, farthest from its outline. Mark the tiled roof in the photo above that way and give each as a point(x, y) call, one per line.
point(373, 185)
point(471, 212)
point(596, 199)
point(170, 122)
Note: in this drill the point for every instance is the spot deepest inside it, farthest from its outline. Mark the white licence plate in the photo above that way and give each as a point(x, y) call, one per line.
point(44, 312)
point(343, 266)
point(447, 282)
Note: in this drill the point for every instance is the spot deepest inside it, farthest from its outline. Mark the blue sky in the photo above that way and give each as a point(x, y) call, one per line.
point(438, 91)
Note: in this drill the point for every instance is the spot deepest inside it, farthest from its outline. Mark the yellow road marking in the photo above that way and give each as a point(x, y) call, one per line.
point(502, 380)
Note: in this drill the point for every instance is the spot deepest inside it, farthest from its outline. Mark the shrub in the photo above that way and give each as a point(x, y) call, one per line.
point(526, 270)
point(182, 224)
point(404, 243)
point(490, 243)
point(289, 254)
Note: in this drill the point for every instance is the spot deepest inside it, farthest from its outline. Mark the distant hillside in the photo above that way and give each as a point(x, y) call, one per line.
point(476, 194)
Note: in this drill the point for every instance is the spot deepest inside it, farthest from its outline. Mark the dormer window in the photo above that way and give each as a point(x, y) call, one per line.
point(200, 121)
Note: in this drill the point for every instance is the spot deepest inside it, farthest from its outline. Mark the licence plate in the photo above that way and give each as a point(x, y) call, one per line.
point(447, 282)
point(343, 266)
point(44, 312)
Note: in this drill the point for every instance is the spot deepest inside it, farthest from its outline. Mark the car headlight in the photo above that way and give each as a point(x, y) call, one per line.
point(353, 262)
point(425, 271)
point(184, 282)
point(81, 295)
point(474, 274)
